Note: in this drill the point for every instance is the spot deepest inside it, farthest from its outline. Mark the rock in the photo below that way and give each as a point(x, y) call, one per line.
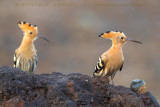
point(19, 89)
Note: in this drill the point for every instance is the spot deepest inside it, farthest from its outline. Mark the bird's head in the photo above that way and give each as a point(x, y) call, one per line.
point(117, 37)
point(30, 31)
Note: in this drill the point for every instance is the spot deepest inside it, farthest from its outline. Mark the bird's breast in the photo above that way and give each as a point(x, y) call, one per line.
point(115, 61)
point(26, 53)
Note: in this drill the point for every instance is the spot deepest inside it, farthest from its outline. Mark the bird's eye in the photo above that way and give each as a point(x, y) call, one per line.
point(122, 38)
point(30, 32)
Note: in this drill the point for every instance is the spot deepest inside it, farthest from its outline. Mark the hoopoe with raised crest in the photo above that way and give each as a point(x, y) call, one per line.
point(25, 57)
point(112, 60)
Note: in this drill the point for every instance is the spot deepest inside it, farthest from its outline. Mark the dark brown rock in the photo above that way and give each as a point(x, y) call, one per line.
point(19, 89)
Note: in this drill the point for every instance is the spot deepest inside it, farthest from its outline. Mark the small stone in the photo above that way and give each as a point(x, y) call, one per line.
point(138, 86)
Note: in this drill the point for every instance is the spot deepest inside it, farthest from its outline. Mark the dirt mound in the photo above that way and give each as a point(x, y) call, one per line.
point(18, 89)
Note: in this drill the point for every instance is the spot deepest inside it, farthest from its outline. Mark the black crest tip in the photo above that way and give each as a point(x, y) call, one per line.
point(19, 22)
point(108, 31)
point(101, 34)
point(119, 31)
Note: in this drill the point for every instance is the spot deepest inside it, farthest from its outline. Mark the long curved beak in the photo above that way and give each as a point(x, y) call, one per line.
point(42, 37)
point(134, 41)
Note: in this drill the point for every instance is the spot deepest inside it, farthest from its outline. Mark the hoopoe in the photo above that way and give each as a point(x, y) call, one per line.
point(25, 57)
point(112, 60)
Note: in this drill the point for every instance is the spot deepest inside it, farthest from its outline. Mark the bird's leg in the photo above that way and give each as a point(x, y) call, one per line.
point(112, 76)
point(112, 80)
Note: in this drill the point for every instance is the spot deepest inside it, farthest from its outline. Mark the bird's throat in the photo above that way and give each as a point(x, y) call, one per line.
point(27, 43)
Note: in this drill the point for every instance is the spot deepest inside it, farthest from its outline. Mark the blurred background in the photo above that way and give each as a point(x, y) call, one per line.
point(73, 27)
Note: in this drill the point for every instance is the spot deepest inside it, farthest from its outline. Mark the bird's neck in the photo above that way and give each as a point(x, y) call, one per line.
point(27, 43)
point(117, 46)
point(116, 50)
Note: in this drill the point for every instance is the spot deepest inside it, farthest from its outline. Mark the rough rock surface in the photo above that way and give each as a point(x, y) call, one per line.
point(19, 89)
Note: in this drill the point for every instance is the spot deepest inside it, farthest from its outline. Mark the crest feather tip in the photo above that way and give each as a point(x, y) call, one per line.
point(108, 31)
point(19, 22)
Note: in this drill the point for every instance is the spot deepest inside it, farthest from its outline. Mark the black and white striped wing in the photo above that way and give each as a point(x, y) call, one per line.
point(99, 68)
point(15, 60)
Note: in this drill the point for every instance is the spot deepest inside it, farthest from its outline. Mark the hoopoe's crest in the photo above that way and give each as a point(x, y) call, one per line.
point(29, 30)
point(112, 60)
point(117, 37)
point(111, 34)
